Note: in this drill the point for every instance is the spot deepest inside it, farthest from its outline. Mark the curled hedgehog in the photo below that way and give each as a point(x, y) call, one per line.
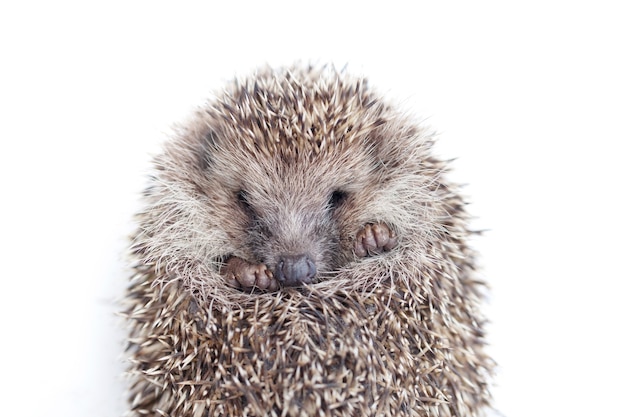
point(301, 253)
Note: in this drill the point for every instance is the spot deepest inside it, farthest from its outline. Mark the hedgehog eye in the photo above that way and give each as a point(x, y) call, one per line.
point(242, 200)
point(337, 198)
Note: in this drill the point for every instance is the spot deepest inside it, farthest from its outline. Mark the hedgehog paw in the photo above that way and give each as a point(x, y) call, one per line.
point(242, 274)
point(373, 239)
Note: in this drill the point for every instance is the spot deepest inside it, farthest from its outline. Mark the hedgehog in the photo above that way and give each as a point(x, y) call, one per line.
point(301, 252)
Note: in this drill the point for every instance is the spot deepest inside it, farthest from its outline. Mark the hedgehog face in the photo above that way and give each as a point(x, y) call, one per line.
point(293, 175)
point(290, 225)
point(290, 214)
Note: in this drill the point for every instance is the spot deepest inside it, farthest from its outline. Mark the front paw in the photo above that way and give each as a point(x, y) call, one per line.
point(373, 239)
point(242, 274)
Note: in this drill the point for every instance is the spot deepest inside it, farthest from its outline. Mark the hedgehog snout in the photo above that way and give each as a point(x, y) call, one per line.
point(294, 270)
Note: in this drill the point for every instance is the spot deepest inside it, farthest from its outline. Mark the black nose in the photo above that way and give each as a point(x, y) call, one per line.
point(293, 270)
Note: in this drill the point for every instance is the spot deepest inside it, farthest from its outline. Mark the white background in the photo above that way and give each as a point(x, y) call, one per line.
point(531, 97)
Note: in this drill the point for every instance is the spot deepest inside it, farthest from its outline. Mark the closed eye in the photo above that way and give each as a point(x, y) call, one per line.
point(244, 203)
point(337, 198)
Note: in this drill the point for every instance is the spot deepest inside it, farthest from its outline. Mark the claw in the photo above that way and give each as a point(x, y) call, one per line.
point(242, 274)
point(374, 239)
